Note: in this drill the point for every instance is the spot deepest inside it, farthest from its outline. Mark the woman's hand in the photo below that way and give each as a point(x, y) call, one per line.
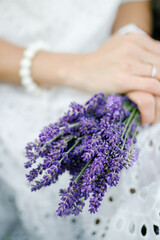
point(122, 64)
point(148, 105)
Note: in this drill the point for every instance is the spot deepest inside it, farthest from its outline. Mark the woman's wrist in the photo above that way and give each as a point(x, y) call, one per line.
point(47, 69)
point(55, 69)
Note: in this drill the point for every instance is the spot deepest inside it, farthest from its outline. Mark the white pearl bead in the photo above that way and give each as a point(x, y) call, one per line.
point(25, 62)
point(31, 87)
point(25, 65)
point(29, 53)
point(26, 81)
point(24, 72)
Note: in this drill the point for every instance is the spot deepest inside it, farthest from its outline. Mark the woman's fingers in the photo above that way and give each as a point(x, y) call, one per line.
point(149, 106)
point(142, 48)
point(120, 65)
point(149, 57)
point(146, 84)
point(145, 41)
point(146, 104)
point(141, 69)
point(138, 68)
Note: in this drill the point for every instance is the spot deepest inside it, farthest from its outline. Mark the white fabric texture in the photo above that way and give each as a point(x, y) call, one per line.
point(129, 211)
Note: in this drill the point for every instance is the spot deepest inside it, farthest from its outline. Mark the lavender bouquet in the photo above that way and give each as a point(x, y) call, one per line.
point(93, 142)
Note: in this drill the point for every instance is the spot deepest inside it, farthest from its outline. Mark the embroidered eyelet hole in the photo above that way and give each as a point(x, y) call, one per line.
point(93, 233)
point(103, 235)
point(97, 221)
point(119, 223)
point(156, 229)
point(144, 230)
point(150, 143)
point(132, 190)
point(78, 237)
point(110, 199)
point(106, 228)
point(132, 228)
point(74, 220)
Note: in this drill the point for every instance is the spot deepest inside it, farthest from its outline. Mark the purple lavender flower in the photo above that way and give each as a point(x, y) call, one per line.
point(100, 187)
point(71, 201)
point(94, 142)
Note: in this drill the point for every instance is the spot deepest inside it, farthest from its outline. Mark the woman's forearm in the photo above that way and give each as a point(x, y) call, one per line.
point(137, 12)
point(123, 64)
point(48, 69)
point(10, 56)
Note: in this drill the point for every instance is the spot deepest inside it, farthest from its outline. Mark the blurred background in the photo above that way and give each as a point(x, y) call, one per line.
point(156, 22)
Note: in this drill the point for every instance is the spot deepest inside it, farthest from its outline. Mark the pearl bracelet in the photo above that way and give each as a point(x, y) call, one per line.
point(25, 67)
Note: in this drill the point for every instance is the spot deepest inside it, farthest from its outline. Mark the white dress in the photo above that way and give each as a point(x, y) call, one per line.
point(129, 211)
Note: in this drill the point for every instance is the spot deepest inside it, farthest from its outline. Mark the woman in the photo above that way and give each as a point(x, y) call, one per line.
point(88, 54)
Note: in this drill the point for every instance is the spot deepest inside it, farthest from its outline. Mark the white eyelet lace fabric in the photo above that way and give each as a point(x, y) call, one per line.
point(70, 25)
point(129, 211)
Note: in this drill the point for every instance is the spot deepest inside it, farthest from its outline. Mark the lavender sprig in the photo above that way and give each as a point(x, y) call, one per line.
point(94, 142)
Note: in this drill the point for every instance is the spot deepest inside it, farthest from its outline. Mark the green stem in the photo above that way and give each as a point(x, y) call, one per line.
point(135, 131)
point(74, 145)
point(60, 134)
point(134, 116)
point(52, 140)
point(70, 126)
point(71, 138)
point(128, 107)
point(128, 120)
point(83, 170)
